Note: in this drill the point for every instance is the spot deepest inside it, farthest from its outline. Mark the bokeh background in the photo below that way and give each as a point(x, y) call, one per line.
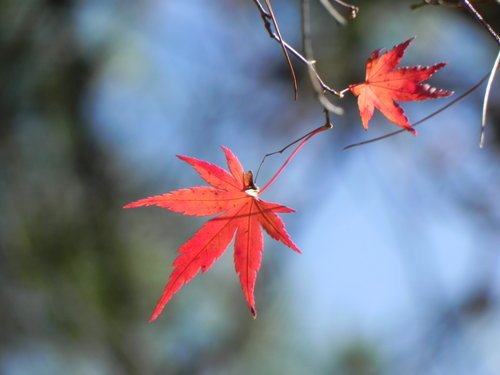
point(400, 271)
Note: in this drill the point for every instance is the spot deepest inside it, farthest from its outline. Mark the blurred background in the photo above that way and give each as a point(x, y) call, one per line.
point(400, 271)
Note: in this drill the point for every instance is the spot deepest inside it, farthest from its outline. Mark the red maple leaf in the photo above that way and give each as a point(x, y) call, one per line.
point(235, 198)
point(384, 85)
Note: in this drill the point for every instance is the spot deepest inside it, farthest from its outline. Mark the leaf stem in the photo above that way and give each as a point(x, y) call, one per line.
point(302, 141)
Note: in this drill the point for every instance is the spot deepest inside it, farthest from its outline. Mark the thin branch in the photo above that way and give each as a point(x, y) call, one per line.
point(486, 98)
point(262, 10)
point(278, 152)
point(326, 126)
point(480, 19)
point(316, 81)
point(449, 3)
point(265, 19)
point(454, 101)
point(458, 4)
point(303, 141)
point(311, 64)
point(354, 9)
point(333, 12)
point(285, 52)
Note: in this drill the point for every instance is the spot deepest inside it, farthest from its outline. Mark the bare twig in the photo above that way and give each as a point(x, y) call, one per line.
point(272, 17)
point(316, 81)
point(461, 4)
point(486, 98)
point(454, 101)
point(480, 19)
point(333, 12)
point(267, 24)
point(448, 3)
point(354, 9)
point(302, 141)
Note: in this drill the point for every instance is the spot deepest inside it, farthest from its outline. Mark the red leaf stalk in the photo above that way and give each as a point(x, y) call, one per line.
point(295, 151)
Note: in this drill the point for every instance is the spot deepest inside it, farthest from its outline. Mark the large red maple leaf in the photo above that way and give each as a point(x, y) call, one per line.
point(384, 85)
point(235, 198)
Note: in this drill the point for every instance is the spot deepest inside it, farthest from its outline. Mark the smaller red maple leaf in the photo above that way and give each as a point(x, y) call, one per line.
point(242, 214)
point(384, 85)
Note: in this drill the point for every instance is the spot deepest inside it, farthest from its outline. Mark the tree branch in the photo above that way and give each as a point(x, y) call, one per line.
point(317, 83)
point(461, 4)
point(270, 14)
point(266, 19)
point(480, 19)
point(486, 98)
